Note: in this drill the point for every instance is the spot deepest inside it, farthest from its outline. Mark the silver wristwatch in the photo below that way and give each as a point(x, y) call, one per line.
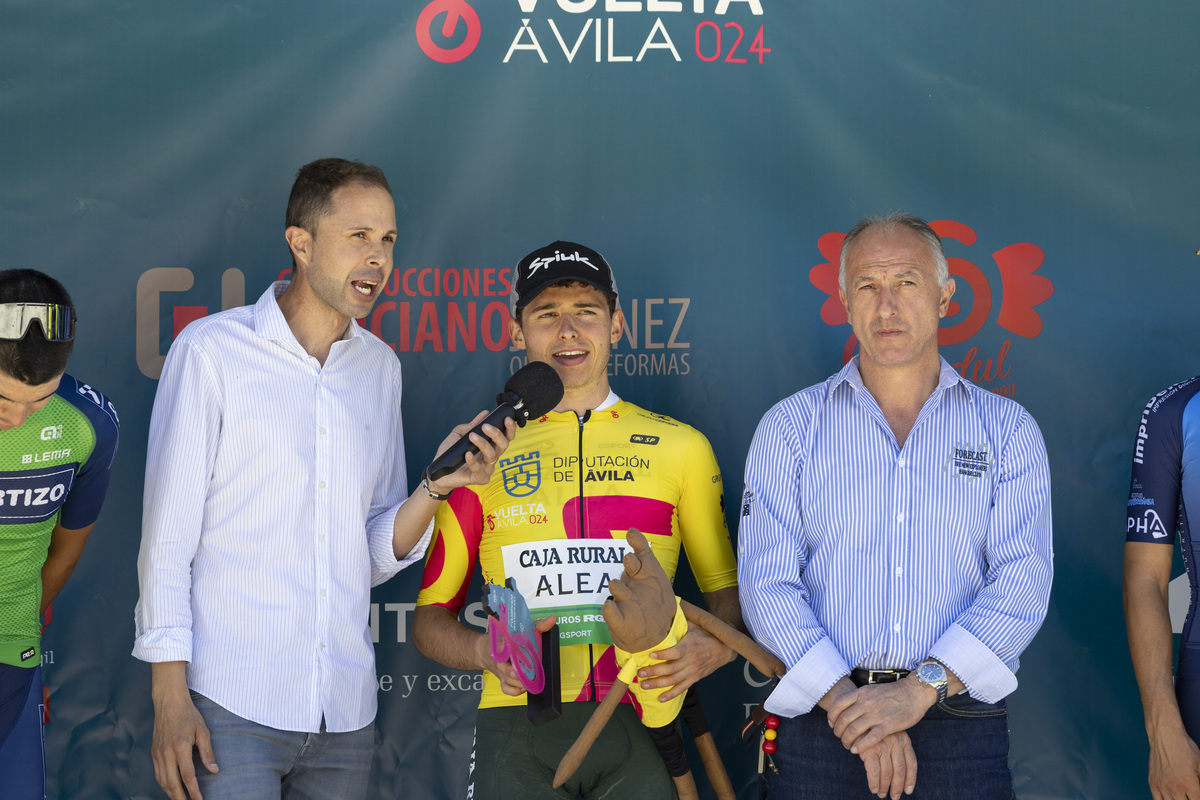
point(931, 673)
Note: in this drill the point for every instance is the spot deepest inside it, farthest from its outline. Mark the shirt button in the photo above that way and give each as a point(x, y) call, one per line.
point(899, 517)
point(895, 627)
point(322, 645)
point(899, 570)
point(322, 593)
point(321, 538)
point(322, 430)
point(900, 462)
point(322, 484)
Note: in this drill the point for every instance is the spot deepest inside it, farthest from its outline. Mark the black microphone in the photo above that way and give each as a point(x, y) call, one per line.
point(532, 391)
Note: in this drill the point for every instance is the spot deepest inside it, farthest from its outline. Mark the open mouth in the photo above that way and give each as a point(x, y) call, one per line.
point(365, 288)
point(570, 356)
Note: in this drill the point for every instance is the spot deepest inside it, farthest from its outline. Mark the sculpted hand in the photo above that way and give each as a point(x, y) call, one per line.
point(1174, 768)
point(863, 718)
point(479, 466)
point(697, 655)
point(178, 727)
point(891, 766)
point(509, 682)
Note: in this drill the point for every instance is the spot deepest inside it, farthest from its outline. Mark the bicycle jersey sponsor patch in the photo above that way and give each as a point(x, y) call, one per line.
point(570, 579)
point(638, 438)
point(1148, 523)
point(522, 474)
point(36, 495)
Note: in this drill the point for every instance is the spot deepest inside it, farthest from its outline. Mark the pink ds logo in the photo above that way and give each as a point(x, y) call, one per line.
point(455, 10)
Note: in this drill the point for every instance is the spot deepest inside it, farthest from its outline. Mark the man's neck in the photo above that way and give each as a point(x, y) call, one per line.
point(583, 401)
point(901, 392)
point(315, 325)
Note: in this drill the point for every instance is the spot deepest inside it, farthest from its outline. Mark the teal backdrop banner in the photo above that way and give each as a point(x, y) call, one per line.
point(714, 151)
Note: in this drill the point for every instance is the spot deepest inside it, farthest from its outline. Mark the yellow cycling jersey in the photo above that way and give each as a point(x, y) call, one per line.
point(555, 515)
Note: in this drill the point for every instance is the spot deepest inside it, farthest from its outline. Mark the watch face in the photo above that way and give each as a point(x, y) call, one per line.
point(931, 673)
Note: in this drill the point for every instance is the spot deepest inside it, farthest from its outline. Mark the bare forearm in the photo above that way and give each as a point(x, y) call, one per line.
point(440, 637)
point(726, 606)
point(412, 520)
point(1148, 620)
point(66, 547)
point(168, 678)
point(54, 577)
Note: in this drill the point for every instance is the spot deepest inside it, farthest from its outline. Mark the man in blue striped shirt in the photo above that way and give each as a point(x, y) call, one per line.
point(895, 547)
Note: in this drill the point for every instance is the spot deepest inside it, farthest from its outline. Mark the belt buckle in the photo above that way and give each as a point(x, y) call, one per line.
point(875, 676)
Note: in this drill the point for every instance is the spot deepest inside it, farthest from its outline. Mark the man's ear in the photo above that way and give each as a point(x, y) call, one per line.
point(515, 333)
point(618, 327)
point(300, 243)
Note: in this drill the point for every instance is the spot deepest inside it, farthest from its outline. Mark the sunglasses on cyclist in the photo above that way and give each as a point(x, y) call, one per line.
point(57, 321)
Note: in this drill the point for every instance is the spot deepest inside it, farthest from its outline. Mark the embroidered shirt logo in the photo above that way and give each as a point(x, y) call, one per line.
point(969, 461)
point(747, 501)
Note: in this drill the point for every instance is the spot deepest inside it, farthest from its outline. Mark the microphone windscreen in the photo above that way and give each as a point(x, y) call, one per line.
point(538, 386)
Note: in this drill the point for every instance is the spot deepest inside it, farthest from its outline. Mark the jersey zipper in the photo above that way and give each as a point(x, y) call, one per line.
point(583, 535)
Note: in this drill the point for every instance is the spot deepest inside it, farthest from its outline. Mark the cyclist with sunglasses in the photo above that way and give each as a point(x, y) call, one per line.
point(58, 438)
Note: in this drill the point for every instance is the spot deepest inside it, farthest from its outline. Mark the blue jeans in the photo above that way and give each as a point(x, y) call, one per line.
point(961, 747)
point(262, 763)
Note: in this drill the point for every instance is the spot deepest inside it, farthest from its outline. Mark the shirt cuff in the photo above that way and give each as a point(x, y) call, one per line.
point(808, 680)
point(986, 677)
point(381, 538)
point(164, 644)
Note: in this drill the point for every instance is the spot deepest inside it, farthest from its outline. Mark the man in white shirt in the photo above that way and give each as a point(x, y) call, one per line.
point(275, 485)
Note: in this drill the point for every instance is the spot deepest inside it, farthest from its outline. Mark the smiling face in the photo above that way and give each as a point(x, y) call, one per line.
point(570, 328)
point(347, 259)
point(19, 400)
point(893, 301)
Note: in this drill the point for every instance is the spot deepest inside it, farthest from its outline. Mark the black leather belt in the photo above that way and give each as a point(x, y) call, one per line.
point(865, 677)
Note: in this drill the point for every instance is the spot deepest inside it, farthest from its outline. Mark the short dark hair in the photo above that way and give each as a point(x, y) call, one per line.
point(317, 181)
point(612, 301)
point(32, 359)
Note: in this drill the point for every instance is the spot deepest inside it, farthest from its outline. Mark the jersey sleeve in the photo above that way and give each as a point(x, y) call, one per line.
point(1156, 476)
point(454, 551)
point(82, 506)
point(702, 518)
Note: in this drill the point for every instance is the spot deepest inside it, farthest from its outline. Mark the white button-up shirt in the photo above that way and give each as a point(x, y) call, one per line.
point(272, 484)
point(856, 552)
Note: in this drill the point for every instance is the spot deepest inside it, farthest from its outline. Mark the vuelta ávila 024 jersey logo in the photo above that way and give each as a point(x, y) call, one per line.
point(608, 31)
point(1020, 290)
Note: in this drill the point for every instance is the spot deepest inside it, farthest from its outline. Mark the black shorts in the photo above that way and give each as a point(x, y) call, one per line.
point(513, 760)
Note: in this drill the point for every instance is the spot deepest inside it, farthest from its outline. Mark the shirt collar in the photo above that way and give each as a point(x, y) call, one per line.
point(608, 402)
point(947, 377)
point(269, 322)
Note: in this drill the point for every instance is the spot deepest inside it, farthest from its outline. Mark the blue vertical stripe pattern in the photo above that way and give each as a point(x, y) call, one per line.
point(272, 484)
point(856, 552)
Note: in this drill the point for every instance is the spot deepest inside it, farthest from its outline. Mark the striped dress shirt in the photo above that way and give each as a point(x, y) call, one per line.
point(272, 484)
point(856, 552)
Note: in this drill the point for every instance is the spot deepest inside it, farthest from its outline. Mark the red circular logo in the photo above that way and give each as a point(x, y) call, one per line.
point(454, 10)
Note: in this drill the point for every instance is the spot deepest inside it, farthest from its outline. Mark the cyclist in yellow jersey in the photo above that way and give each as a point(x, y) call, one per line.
point(554, 518)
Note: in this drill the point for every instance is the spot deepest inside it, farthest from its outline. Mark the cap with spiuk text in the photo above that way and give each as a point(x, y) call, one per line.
point(560, 261)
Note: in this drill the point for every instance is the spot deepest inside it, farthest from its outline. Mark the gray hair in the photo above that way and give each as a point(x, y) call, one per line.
point(889, 223)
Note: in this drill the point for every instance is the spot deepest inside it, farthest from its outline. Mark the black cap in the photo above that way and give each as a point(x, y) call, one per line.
point(561, 261)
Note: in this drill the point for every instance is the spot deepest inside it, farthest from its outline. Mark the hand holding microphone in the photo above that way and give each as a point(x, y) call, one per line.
point(532, 391)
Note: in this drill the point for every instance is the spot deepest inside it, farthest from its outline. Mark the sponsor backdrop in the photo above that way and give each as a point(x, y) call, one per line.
point(714, 151)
